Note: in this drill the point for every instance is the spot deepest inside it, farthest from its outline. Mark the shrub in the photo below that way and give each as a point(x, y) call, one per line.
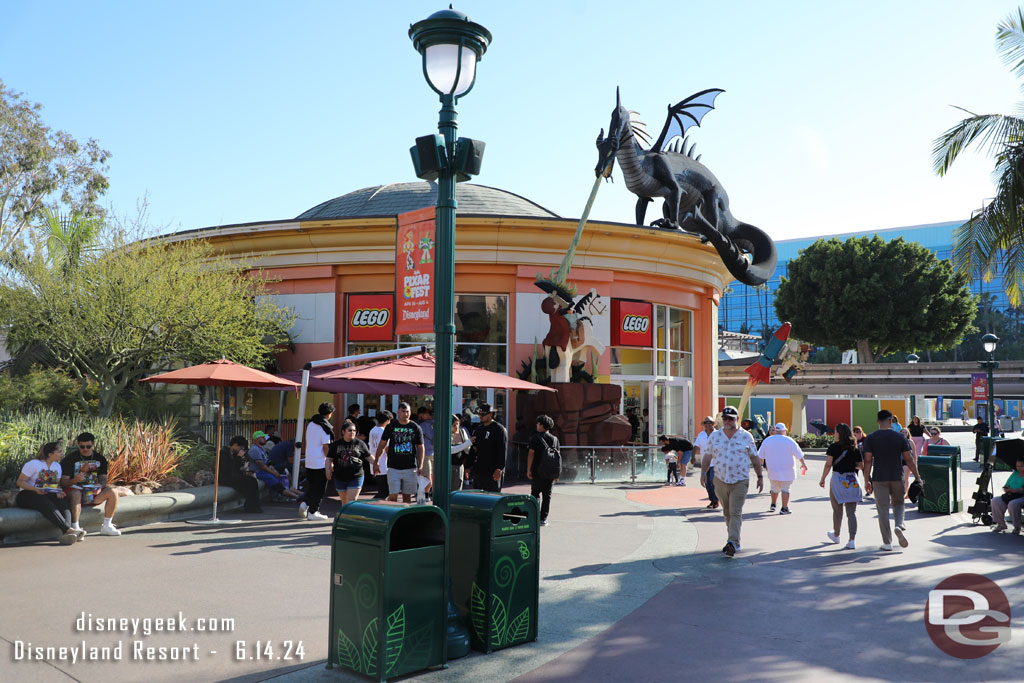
point(43, 388)
point(136, 451)
point(814, 440)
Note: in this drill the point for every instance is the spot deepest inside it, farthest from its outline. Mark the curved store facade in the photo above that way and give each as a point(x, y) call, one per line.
point(334, 265)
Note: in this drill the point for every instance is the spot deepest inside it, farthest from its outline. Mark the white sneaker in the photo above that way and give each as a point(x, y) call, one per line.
point(832, 538)
point(80, 533)
point(852, 545)
point(303, 507)
point(68, 538)
point(902, 537)
point(109, 530)
point(317, 516)
point(887, 547)
point(682, 482)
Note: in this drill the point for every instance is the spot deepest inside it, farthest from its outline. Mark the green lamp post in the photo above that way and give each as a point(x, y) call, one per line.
point(989, 343)
point(451, 45)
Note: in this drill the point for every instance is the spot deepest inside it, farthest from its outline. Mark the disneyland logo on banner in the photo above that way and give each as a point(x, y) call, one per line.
point(414, 272)
point(967, 616)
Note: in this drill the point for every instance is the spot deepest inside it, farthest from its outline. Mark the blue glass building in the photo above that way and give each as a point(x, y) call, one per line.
point(750, 309)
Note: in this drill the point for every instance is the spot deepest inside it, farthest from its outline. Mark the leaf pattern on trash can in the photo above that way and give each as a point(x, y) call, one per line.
point(478, 611)
point(348, 653)
point(499, 621)
point(394, 638)
point(418, 648)
point(519, 628)
point(370, 647)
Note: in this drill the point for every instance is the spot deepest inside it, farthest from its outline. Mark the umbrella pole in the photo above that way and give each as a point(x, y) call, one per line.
point(216, 471)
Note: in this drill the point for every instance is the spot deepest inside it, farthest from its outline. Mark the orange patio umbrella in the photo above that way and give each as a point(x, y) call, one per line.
point(419, 369)
point(222, 373)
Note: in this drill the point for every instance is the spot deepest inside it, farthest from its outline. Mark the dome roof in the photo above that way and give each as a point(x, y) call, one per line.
point(396, 198)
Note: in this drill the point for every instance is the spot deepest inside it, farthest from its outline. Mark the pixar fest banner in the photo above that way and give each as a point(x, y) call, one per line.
point(414, 272)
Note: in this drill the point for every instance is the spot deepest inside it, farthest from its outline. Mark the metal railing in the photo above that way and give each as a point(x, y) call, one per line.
point(241, 428)
point(592, 464)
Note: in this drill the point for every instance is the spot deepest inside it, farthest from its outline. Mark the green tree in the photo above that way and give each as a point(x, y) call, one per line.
point(137, 307)
point(993, 239)
point(39, 165)
point(876, 296)
point(69, 238)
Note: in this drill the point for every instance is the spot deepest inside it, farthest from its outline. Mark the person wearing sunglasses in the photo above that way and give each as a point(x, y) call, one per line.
point(935, 438)
point(84, 479)
point(734, 452)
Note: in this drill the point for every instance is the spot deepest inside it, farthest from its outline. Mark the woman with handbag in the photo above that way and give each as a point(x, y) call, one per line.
point(460, 444)
point(1012, 500)
point(844, 459)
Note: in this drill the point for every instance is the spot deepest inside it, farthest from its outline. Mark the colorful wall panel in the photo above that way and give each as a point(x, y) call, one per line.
point(765, 407)
point(784, 412)
point(865, 412)
point(815, 412)
point(897, 407)
point(837, 410)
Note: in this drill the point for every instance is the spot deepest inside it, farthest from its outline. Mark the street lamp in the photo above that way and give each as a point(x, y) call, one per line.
point(451, 45)
point(912, 358)
point(989, 343)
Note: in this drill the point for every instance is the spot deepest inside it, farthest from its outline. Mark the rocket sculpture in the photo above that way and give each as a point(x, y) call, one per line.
point(760, 371)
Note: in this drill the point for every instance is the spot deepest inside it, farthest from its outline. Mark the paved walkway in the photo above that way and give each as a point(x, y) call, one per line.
point(634, 587)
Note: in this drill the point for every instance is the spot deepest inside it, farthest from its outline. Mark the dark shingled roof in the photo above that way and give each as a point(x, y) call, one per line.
point(396, 198)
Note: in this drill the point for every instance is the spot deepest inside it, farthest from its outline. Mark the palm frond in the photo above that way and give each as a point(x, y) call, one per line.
point(1010, 41)
point(993, 131)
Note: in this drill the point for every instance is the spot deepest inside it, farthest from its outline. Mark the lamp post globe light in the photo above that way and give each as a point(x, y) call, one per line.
point(451, 46)
point(989, 343)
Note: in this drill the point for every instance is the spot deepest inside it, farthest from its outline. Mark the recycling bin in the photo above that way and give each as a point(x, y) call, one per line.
point(387, 606)
point(945, 496)
point(494, 567)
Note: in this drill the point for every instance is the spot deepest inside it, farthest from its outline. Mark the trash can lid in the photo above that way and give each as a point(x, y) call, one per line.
point(372, 522)
point(504, 513)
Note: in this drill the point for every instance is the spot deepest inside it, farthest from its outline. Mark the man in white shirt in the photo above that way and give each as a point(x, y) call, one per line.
point(780, 454)
point(383, 418)
point(733, 452)
point(700, 444)
point(319, 435)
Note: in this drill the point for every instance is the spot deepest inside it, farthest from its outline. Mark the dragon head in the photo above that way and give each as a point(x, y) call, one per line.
point(607, 147)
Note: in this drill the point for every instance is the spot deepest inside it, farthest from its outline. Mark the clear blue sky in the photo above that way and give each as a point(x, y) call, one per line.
point(230, 112)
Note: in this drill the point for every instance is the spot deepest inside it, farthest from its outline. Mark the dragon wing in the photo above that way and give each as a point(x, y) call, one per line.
point(687, 113)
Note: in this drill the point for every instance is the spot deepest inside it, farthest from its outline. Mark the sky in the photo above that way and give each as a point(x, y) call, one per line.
point(232, 112)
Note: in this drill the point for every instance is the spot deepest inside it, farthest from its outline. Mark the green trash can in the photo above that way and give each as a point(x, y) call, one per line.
point(387, 606)
point(998, 464)
point(937, 471)
point(494, 566)
point(955, 495)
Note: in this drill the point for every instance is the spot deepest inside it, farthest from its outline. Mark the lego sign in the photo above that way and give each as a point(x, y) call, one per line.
point(370, 317)
point(414, 272)
point(632, 323)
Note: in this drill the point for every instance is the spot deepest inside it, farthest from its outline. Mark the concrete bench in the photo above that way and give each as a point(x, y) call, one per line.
point(18, 525)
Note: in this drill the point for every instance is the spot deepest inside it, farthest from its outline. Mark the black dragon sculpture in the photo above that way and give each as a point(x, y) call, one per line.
point(695, 202)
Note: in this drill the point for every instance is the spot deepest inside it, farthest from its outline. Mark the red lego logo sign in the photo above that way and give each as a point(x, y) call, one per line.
point(370, 317)
point(632, 323)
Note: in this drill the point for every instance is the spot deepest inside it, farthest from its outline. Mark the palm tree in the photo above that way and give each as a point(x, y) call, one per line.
point(993, 238)
point(69, 238)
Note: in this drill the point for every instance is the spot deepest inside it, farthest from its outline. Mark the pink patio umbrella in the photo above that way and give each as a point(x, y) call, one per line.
point(222, 373)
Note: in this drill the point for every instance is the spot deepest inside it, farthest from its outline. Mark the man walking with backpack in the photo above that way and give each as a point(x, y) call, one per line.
point(543, 464)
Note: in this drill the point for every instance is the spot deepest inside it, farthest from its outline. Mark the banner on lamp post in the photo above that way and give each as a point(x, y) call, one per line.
point(414, 272)
point(979, 386)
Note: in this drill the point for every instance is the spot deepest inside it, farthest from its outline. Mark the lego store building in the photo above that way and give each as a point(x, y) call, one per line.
point(655, 311)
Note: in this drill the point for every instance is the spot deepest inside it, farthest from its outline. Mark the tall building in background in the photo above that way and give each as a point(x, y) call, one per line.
point(751, 310)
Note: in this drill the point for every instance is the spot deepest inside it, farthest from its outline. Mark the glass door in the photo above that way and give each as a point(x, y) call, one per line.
point(672, 408)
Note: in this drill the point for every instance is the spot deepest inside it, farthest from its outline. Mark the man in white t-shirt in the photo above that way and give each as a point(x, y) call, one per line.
point(780, 454)
point(383, 418)
point(319, 434)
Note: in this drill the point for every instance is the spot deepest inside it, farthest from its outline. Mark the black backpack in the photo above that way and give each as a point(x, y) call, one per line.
point(550, 464)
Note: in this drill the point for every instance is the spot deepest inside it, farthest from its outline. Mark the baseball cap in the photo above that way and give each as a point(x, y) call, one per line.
point(484, 408)
point(259, 435)
point(780, 427)
point(708, 420)
point(729, 411)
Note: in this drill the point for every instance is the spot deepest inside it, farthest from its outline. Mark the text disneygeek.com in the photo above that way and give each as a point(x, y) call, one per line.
point(140, 651)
